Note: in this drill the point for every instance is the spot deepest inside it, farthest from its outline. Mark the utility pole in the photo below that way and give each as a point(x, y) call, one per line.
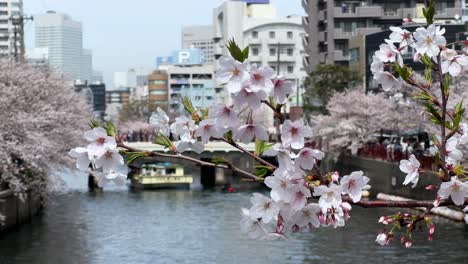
point(18, 34)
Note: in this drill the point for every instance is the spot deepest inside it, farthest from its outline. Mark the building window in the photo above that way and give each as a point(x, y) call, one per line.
point(290, 69)
point(354, 54)
point(255, 51)
point(290, 35)
point(254, 34)
point(290, 52)
point(272, 34)
point(272, 52)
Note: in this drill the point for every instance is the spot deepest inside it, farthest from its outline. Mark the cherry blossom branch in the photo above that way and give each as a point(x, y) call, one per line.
point(255, 157)
point(276, 111)
point(227, 165)
point(443, 118)
point(400, 204)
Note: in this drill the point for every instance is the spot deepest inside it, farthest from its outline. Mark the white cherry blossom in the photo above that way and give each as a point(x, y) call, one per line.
point(454, 155)
point(110, 160)
point(282, 88)
point(293, 133)
point(402, 36)
point(183, 125)
point(224, 115)
point(253, 227)
point(307, 215)
point(377, 65)
point(386, 53)
point(411, 167)
point(454, 189)
point(82, 158)
point(264, 208)
point(247, 132)
point(353, 185)
point(160, 121)
point(187, 142)
point(232, 73)
point(429, 39)
point(299, 196)
point(250, 97)
point(284, 157)
point(330, 196)
point(99, 141)
point(260, 78)
point(207, 129)
point(382, 239)
point(387, 80)
point(464, 137)
point(452, 62)
point(307, 157)
point(281, 187)
point(117, 175)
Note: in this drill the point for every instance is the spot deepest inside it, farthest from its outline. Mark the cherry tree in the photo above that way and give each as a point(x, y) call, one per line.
point(41, 117)
point(301, 198)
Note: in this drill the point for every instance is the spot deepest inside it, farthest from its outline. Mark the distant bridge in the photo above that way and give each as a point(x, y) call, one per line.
point(209, 176)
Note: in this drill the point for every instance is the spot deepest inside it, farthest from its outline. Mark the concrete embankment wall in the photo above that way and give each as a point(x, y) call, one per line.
point(17, 211)
point(385, 177)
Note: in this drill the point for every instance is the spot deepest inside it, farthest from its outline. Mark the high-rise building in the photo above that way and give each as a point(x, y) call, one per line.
point(331, 24)
point(64, 39)
point(199, 37)
point(9, 9)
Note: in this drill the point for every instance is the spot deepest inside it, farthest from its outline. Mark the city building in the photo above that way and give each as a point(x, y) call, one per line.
point(38, 56)
point(95, 95)
point(362, 49)
point(194, 82)
point(98, 76)
point(120, 96)
point(331, 24)
point(10, 9)
point(200, 37)
point(64, 39)
point(158, 94)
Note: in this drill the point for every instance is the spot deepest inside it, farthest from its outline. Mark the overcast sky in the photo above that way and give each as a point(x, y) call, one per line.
point(131, 33)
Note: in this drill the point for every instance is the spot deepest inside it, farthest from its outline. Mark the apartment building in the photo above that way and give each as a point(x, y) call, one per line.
point(9, 9)
point(331, 24)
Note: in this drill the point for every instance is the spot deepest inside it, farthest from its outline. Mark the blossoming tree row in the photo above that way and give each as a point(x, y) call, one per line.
point(301, 198)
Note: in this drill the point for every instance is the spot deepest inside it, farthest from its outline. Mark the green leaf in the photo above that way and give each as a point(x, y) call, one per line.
point(110, 129)
point(188, 105)
point(428, 74)
point(162, 140)
point(261, 171)
point(429, 13)
point(404, 72)
point(93, 124)
point(262, 146)
point(433, 113)
point(204, 113)
point(236, 52)
point(219, 160)
point(423, 96)
point(447, 81)
point(245, 52)
point(229, 136)
point(131, 157)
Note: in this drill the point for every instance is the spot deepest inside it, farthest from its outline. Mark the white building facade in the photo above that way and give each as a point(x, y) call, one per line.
point(9, 9)
point(64, 39)
point(200, 37)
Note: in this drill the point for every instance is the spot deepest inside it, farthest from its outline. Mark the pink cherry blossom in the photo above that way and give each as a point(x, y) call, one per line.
point(294, 133)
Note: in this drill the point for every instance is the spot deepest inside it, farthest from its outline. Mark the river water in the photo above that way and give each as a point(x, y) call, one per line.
point(121, 226)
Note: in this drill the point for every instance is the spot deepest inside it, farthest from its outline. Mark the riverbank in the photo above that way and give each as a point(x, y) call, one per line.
point(16, 211)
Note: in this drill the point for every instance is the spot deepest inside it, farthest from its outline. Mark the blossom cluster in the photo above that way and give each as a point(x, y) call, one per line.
point(249, 86)
point(101, 156)
point(428, 42)
point(288, 207)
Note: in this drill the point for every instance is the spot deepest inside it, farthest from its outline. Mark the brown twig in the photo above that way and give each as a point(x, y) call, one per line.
point(255, 157)
point(401, 204)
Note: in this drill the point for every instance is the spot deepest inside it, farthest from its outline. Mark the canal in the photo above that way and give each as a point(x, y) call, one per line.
point(120, 226)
